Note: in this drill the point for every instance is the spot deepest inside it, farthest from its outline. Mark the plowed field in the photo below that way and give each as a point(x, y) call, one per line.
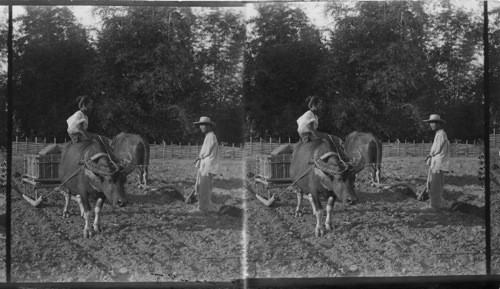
point(155, 238)
point(385, 234)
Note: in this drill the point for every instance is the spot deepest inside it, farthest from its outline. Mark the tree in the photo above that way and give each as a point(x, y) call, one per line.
point(51, 51)
point(3, 76)
point(281, 63)
point(145, 76)
point(455, 49)
point(386, 73)
point(219, 43)
point(494, 56)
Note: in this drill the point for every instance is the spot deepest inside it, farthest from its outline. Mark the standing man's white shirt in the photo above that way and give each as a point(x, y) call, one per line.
point(304, 121)
point(440, 152)
point(74, 120)
point(209, 155)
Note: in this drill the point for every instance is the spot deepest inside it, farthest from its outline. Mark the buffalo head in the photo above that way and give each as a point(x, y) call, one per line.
point(337, 172)
point(107, 175)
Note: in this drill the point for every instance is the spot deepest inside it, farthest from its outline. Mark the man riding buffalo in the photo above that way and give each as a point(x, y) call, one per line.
point(79, 122)
point(321, 168)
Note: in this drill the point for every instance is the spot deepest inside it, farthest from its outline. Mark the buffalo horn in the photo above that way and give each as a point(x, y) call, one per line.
point(323, 166)
point(101, 170)
point(326, 155)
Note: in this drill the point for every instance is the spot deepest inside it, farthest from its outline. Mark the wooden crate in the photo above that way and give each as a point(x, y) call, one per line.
point(42, 167)
point(275, 167)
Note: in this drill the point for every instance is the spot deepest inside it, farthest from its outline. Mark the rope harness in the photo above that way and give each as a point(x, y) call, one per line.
point(315, 164)
point(89, 164)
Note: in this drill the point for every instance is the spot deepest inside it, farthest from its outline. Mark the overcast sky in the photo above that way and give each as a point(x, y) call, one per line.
point(314, 10)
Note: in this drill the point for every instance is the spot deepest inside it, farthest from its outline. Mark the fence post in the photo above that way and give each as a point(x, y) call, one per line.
point(233, 153)
point(389, 150)
point(270, 146)
point(55, 141)
point(423, 148)
point(241, 150)
point(189, 150)
point(180, 150)
point(261, 145)
point(289, 141)
point(171, 150)
point(251, 146)
point(164, 147)
point(466, 148)
point(397, 149)
point(17, 146)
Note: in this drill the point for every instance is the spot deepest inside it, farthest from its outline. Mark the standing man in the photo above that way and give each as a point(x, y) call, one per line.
point(439, 162)
point(207, 164)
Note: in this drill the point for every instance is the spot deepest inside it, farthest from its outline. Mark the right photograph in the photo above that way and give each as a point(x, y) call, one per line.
point(494, 67)
point(364, 139)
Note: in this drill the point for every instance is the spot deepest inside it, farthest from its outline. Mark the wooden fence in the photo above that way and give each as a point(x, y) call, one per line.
point(252, 148)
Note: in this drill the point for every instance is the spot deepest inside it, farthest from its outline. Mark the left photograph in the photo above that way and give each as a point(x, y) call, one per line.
point(4, 14)
point(127, 144)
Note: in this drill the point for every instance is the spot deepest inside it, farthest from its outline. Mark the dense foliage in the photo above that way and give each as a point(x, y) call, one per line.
point(150, 70)
point(381, 67)
point(384, 68)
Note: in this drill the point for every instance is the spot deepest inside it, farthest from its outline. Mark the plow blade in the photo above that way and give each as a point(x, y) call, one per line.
point(268, 203)
point(387, 186)
point(32, 202)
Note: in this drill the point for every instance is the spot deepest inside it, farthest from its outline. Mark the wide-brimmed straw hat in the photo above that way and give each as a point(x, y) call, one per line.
point(435, 118)
point(205, 120)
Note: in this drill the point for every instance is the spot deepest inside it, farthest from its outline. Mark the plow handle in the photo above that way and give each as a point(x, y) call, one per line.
point(187, 200)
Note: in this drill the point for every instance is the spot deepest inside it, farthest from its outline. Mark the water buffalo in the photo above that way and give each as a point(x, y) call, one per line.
point(319, 168)
point(89, 170)
point(370, 148)
point(138, 148)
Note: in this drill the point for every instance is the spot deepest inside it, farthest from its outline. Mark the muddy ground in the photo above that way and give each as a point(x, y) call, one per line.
point(385, 234)
point(495, 211)
point(156, 238)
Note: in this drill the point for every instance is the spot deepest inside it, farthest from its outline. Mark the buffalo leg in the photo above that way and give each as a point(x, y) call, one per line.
point(329, 211)
point(67, 197)
point(309, 197)
point(144, 175)
point(98, 210)
point(318, 231)
point(87, 214)
point(377, 174)
point(78, 199)
point(298, 213)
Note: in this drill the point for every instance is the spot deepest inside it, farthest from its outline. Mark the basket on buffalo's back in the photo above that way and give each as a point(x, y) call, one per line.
point(42, 167)
point(275, 167)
